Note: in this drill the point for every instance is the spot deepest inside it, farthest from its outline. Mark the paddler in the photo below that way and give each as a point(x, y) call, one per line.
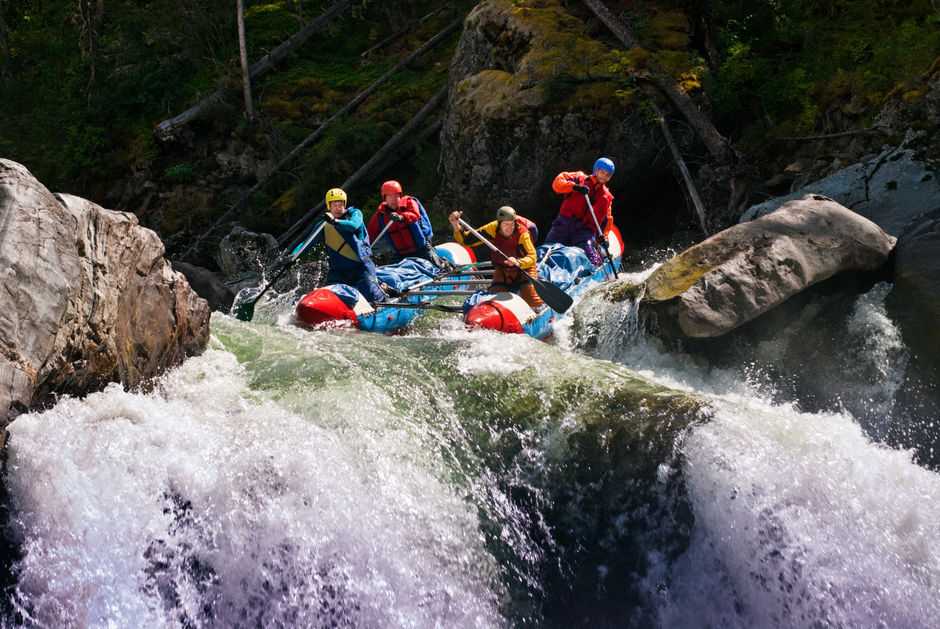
point(347, 245)
point(574, 225)
point(410, 231)
point(511, 236)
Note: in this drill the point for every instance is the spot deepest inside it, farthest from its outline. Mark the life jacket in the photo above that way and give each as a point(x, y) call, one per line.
point(406, 238)
point(574, 205)
point(347, 251)
point(508, 245)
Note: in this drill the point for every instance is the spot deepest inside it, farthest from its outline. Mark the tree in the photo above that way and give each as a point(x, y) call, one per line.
point(243, 53)
point(90, 14)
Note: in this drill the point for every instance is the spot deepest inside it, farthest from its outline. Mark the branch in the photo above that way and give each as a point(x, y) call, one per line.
point(841, 134)
point(686, 176)
point(313, 137)
point(716, 143)
point(406, 132)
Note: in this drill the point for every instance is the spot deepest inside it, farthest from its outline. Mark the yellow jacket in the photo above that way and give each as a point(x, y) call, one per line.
point(525, 242)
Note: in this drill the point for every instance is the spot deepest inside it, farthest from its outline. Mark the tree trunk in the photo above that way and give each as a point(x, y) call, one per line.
point(167, 128)
point(683, 170)
point(243, 54)
point(716, 144)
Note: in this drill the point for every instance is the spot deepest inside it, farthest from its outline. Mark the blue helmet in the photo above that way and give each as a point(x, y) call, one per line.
point(604, 163)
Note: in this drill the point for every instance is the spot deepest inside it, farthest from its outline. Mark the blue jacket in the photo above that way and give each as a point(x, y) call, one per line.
point(347, 243)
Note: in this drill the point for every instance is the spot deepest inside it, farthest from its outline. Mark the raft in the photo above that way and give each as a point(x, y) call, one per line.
point(340, 305)
point(567, 267)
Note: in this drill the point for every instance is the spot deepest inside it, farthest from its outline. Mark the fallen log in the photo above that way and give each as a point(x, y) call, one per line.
point(386, 151)
point(716, 143)
point(683, 169)
point(166, 129)
point(313, 137)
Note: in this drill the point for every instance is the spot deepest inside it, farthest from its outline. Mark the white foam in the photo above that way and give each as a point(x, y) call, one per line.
point(203, 503)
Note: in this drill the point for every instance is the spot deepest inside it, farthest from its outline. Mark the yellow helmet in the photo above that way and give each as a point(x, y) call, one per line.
point(335, 194)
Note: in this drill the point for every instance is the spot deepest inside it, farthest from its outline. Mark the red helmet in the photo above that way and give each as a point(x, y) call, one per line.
point(391, 187)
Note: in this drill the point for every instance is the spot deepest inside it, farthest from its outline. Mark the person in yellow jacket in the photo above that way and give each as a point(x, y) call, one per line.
point(510, 235)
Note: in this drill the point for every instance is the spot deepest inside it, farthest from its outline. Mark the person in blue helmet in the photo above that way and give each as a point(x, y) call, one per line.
point(348, 248)
point(574, 225)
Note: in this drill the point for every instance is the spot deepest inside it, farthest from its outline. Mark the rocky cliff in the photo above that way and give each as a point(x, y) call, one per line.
point(87, 297)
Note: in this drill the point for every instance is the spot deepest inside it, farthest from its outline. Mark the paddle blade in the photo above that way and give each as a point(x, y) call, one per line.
point(244, 311)
point(244, 307)
point(557, 299)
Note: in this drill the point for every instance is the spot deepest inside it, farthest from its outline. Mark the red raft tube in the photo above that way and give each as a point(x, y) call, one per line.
point(508, 312)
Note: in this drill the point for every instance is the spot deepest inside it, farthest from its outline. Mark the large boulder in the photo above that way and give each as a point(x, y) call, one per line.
point(87, 297)
point(531, 94)
point(892, 190)
point(915, 301)
point(747, 270)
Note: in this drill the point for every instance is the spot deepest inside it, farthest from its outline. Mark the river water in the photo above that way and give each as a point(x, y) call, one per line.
point(470, 479)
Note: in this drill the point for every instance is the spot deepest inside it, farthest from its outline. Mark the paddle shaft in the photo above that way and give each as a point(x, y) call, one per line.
point(600, 234)
point(557, 299)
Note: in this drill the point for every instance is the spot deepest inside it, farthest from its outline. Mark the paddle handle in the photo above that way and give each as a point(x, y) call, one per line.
point(382, 233)
point(481, 237)
point(597, 225)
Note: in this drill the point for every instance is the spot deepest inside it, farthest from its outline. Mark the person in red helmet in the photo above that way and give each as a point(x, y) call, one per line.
point(410, 232)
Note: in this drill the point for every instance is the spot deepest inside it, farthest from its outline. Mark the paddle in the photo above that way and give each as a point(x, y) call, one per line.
point(600, 234)
point(557, 299)
point(245, 311)
point(425, 305)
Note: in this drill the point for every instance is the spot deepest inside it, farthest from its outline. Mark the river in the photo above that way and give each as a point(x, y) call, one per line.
point(470, 479)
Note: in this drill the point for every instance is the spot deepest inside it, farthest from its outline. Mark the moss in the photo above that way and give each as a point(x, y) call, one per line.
point(625, 291)
point(681, 272)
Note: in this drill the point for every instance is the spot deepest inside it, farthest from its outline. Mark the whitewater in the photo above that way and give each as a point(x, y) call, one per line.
point(469, 479)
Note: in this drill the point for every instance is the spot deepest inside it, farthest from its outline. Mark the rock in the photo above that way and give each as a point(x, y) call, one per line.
point(746, 270)
point(891, 190)
point(208, 285)
point(88, 298)
point(243, 254)
point(915, 301)
point(522, 106)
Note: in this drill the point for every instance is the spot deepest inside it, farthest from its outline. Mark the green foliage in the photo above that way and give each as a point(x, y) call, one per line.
point(180, 173)
point(787, 64)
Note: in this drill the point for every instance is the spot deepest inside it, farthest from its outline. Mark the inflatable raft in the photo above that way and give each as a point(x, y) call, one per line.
point(419, 280)
point(567, 267)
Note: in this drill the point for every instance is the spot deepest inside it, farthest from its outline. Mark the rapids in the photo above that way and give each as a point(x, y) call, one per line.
point(453, 478)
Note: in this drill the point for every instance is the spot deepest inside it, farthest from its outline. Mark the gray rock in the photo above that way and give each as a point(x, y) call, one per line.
point(530, 96)
point(243, 255)
point(891, 190)
point(87, 297)
point(747, 270)
point(208, 285)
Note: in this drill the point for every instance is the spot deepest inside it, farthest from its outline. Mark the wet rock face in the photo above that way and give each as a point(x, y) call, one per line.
point(915, 300)
point(746, 270)
point(531, 94)
point(892, 190)
point(87, 297)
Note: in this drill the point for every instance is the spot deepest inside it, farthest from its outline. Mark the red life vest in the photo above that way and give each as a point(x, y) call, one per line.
point(574, 205)
point(510, 246)
point(400, 234)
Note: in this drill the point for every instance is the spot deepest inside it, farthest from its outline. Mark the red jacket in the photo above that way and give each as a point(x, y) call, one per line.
point(401, 235)
point(574, 205)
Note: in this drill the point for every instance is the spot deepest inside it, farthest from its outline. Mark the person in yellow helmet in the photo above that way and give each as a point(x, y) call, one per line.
point(511, 235)
point(348, 248)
